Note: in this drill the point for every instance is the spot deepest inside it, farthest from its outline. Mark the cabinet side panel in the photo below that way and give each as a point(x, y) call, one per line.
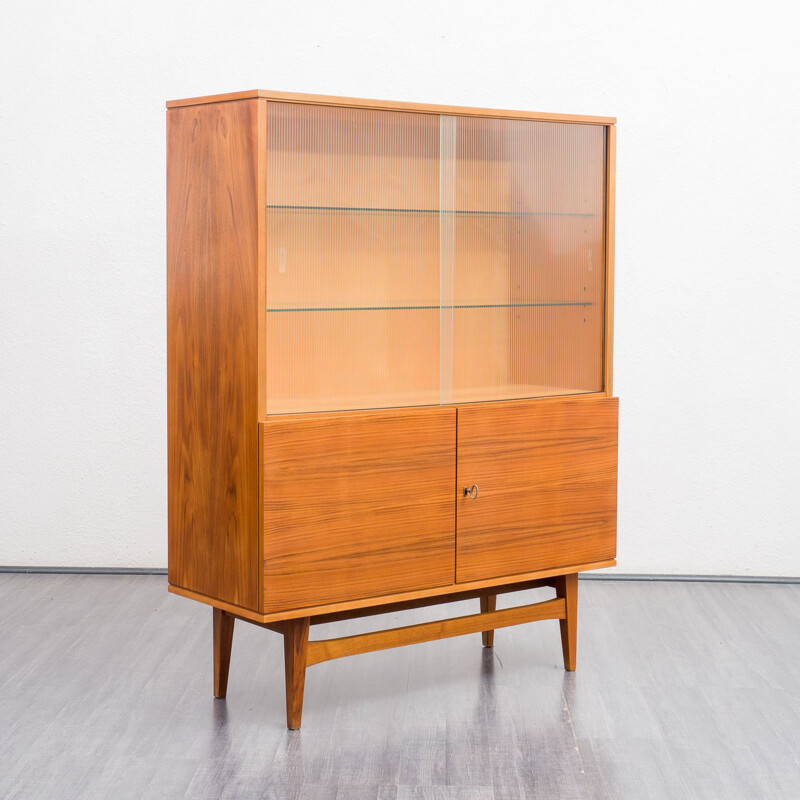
point(212, 350)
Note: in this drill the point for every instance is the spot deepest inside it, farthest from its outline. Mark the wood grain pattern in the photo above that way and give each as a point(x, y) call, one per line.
point(567, 588)
point(357, 505)
point(390, 105)
point(295, 652)
point(212, 350)
point(377, 603)
point(611, 193)
point(326, 649)
point(547, 472)
point(222, 632)
point(488, 603)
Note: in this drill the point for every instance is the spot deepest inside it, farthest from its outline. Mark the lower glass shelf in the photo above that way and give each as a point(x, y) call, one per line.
point(511, 391)
point(454, 212)
point(403, 357)
point(481, 394)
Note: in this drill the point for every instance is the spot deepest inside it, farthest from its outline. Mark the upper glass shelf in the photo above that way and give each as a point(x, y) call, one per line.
point(454, 212)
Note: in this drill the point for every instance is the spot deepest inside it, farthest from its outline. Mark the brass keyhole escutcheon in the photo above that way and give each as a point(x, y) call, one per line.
point(471, 491)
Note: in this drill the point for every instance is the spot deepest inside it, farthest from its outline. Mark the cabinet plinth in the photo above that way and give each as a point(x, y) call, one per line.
point(389, 366)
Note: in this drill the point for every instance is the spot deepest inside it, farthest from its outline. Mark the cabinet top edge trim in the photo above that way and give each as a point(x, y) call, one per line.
point(389, 105)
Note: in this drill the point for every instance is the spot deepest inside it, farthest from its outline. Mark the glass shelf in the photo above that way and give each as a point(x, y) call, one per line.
point(426, 308)
point(437, 211)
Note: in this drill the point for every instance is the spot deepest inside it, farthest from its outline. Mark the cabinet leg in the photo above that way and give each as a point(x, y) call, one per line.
point(488, 603)
point(295, 651)
point(567, 587)
point(223, 638)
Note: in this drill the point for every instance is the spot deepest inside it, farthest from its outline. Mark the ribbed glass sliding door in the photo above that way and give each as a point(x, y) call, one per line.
point(417, 259)
point(528, 259)
point(352, 258)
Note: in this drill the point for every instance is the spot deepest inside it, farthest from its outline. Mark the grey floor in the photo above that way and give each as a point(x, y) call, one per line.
point(683, 690)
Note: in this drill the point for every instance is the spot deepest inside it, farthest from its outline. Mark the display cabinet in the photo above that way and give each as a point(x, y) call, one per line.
point(389, 366)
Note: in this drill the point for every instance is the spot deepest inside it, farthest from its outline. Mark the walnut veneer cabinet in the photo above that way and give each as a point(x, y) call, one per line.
point(389, 366)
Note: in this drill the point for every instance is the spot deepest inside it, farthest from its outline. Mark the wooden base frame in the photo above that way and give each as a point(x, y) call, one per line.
point(301, 652)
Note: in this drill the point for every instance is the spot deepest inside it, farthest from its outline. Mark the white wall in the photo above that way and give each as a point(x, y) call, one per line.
point(708, 242)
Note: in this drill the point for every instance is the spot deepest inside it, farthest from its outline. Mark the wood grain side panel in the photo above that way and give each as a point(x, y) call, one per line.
point(547, 477)
point(357, 505)
point(212, 350)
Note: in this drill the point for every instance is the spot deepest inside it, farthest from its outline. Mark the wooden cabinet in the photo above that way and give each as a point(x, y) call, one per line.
point(389, 341)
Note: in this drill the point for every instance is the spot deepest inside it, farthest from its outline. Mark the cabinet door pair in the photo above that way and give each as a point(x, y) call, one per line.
point(366, 504)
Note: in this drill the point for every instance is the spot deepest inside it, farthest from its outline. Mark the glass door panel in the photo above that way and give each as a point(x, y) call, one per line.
point(352, 258)
point(416, 259)
point(527, 259)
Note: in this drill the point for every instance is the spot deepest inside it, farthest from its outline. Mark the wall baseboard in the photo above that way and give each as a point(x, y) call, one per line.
point(88, 570)
point(584, 576)
point(593, 576)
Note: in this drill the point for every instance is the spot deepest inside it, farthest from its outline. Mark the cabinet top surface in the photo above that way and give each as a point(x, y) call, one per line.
point(358, 102)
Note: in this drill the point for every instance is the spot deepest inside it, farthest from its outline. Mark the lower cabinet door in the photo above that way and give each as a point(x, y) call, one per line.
point(542, 486)
point(357, 505)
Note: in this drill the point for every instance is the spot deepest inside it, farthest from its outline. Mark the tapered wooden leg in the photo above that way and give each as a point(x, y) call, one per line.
point(567, 587)
point(223, 638)
point(488, 603)
point(295, 653)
